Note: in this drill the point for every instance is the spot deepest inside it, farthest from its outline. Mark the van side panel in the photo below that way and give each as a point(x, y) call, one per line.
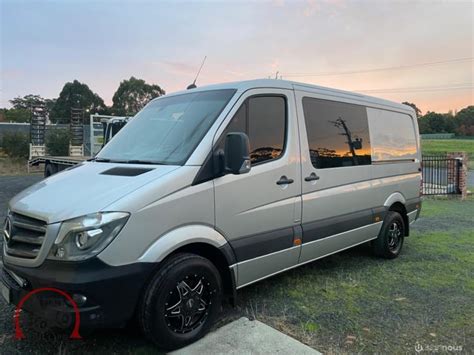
point(338, 208)
point(254, 212)
point(158, 209)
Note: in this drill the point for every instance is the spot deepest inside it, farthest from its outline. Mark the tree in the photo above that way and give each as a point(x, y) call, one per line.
point(413, 106)
point(424, 125)
point(17, 115)
point(57, 141)
point(76, 95)
point(132, 95)
point(465, 121)
point(27, 102)
point(50, 104)
point(15, 144)
point(433, 122)
point(21, 110)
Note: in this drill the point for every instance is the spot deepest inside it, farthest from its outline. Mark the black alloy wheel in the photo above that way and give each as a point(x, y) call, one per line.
point(187, 306)
point(391, 236)
point(181, 302)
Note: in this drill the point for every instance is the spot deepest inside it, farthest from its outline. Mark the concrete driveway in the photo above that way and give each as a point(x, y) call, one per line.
point(246, 337)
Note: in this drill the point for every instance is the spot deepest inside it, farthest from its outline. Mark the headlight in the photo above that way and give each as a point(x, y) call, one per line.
point(84, 237)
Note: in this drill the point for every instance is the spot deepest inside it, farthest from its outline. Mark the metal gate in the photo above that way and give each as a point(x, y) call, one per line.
point(441, 175)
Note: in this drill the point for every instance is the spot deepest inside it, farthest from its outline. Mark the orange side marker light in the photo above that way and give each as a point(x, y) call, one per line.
point(296, 241)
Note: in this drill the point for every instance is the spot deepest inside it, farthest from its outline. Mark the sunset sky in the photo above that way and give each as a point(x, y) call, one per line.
point(334, 43)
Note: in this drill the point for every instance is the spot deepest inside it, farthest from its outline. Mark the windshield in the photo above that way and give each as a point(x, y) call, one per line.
point(167, 130)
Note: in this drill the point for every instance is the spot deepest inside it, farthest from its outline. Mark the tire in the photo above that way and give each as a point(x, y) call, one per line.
point(181, 302)
point(49, 170)
point(390, 239)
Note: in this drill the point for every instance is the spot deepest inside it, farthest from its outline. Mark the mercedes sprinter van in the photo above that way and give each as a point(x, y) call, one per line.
point(209, 190)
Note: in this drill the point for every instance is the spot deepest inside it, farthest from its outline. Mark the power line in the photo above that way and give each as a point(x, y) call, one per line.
point(462, 86)
point(457, 60)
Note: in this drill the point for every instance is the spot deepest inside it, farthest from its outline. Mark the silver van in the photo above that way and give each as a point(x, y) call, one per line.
point(209, 190)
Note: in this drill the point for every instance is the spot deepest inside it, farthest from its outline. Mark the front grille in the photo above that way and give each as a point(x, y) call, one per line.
point(26, 236)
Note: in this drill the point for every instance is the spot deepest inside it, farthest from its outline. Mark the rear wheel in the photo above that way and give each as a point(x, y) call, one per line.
point(390, 240)
point(181, 302)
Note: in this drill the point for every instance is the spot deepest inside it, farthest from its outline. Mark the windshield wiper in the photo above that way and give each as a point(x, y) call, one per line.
point(100, 160)
point(131, 161)
point(137, 161)
point(106, 160)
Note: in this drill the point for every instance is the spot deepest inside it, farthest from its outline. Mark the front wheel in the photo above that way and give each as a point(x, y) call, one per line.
point(390, 240)
point(181, 302)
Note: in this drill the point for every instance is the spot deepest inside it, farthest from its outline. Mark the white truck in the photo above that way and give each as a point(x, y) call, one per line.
point(102, 129)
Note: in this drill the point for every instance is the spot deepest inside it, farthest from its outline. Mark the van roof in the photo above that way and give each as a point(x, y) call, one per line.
point(292, 85)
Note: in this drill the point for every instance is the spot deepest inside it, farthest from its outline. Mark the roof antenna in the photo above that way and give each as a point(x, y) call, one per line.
point(193, 85)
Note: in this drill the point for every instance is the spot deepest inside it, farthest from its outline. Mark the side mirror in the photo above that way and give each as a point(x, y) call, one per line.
point(236, 153)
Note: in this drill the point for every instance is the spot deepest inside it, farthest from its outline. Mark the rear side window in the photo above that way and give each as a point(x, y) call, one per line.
point(338, 133)
point(392, 135)
point(263, 119)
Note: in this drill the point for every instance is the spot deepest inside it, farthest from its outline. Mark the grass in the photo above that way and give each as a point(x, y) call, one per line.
point(16, 166)
point(354, 303)
point(10, 166)
point(433, 146)
point(436, 146)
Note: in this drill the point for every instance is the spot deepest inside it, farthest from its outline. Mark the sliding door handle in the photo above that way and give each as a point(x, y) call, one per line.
point(311, 177)
point(284, 181)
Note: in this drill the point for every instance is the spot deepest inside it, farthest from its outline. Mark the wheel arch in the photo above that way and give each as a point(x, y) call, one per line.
point(396, 202)
point(201, 240)
point(220, 258)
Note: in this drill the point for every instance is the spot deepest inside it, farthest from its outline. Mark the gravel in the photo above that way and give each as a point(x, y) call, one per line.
point(11, 185)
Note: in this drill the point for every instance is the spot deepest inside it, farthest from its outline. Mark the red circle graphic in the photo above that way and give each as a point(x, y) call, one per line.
point(19, 332)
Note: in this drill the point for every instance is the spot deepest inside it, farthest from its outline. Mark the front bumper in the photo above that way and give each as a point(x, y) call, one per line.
point(112, 292)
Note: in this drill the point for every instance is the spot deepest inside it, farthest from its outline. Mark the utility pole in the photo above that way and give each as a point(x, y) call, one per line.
point(340, 123)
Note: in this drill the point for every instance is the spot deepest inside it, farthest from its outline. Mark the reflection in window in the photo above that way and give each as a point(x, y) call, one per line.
point(168, 129)
point(338, 133)
point(392, 135)
point(263, 119)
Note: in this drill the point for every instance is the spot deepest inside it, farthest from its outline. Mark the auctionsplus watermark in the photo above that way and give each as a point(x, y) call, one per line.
point(437, 348)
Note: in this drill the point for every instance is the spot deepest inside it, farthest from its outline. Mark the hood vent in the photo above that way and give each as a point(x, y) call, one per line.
point(120, 171)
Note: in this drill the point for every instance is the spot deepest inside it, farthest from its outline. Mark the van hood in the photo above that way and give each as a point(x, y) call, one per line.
point(84, 189)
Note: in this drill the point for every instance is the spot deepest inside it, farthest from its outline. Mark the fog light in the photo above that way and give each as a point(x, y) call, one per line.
point(79, 299)
point(60, 252)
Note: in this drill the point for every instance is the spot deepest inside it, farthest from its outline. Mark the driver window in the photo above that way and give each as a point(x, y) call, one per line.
point(263, 119)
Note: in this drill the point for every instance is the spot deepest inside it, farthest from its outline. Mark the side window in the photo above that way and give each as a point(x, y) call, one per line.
point(392, 135)
point(266, 127)
point(238, 123)
point(263, 119)
point(338, 133)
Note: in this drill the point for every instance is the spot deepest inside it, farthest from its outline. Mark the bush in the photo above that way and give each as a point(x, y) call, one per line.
point(16, 144)
point(57, 142)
